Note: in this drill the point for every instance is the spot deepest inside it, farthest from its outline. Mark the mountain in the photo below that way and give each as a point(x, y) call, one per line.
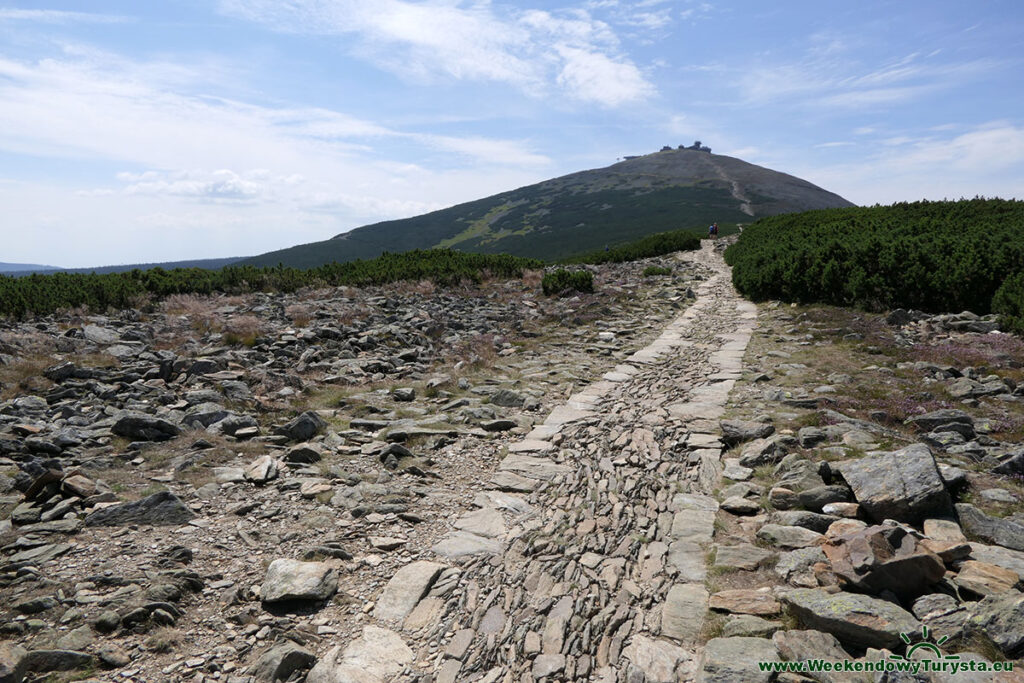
point(666, 190)
point(15, 267)
point(22, 269)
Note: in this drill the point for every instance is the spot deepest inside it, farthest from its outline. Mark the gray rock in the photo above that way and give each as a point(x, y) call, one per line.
point(288, 580)
point(404, 394)
point(735, 660)
point(160, 509)
point(12, 663)
point(659, 660)
point(406, 588)
point(809, 437)
point(498, 425)
point(788, 537)
point(303, 428)
point(996, 530)
point(814, 521)
point(682, 614)
point(929, 421)
point(859, 621)
point(739, 625)
point(281, 661)
point(375, 657)
point(746, 556)
point(903, 485)
point(144, 427)
point(1001, 618)
point(740, 431)
point(762, 452)
point(800, 646)
point(508, 399)
point(304, 453)
point(41, 661)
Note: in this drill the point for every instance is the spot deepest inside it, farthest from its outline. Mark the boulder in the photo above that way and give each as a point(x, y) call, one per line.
point(1001, 618)
point(762, 452)
point(903, 485)
point(160, 509)
point(801, 646)
point(740, 431)
point(735, 660)
point(983, 578)
point(996, 530)
point(378, 655)
point(406, 588)
point(859, 621)
point(12, 663)
point(884, 558)
point(303, 428)
point(788, 537)
point(289, 580)
point(144, 427)
point(938, 418)
point(281, 661)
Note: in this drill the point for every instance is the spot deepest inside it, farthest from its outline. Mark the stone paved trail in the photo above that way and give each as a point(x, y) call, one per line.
point(585, 557)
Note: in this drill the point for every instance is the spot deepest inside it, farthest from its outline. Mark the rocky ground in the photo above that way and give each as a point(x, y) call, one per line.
point(657, 482)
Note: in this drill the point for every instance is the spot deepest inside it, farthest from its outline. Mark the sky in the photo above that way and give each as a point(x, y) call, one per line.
point(156, 131)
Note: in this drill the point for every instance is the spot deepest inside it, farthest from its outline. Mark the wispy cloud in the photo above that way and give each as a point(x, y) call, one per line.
point(52, 16)
point(533, 50)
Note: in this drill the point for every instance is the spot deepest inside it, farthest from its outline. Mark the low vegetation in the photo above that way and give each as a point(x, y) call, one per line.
point(646, 247)
point(931, 256)
point(564, 281)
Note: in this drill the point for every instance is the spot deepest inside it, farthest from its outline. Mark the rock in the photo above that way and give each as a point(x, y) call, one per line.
point(1001, 619)
point(404, 394)
point(1011, 463)
point(985, 579)
point(303, 428)
point(735, 660)
point(745, 601)
point(42, 661)
point(142, 427)
point(79, 485)
point(288, 580)
point(809, 520)
point(856, 620)
point(750, 626)
point(660, 661)
point(801, 646)
point(545, 665)
point(375, 657)
point(262, 470)
point(809, 437)
point(508, 399)
point(12, 663)
point(100, 335)
point(992, 529)
point(903, 485)
point(486, 522)
point(816, 498)
point(884, 558)
point(498, 425)
point(462, 544)
point(160, 509)
point(738, 505)
point(304, 453)
point(788, 537)
point(762, 452)
point(746, 556)
point(281, 661)
point(739, 431)
point(937, 418)
point(406, 588)
point(682, 614)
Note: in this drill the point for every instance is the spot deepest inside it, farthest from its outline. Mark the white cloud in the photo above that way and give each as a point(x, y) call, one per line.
point(532, 50)
point(52, 16)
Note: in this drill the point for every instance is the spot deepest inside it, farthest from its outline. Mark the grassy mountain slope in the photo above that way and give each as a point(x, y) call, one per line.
point(583, 211)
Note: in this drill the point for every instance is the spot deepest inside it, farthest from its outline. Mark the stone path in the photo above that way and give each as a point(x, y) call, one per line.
point(585, 558)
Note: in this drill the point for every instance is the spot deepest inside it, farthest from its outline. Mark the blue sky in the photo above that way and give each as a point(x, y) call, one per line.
point(154, 131)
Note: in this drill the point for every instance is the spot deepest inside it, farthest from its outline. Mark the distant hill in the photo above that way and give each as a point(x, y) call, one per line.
point(666, 190)
point(207, 264)
point(16, 267)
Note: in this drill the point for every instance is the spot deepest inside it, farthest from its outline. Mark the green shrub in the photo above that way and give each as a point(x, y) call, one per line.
point(656, 270)
point(1008, 302)
point(658, 244)
point(564, 281)
point(932, 256)
point(42, 294)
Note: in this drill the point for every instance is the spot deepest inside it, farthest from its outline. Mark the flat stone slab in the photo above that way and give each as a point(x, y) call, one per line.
point(682, 614)
point(537, 468)
point(486, 522)
point(661, 661)
point(406, 588)
point(463, 544)
point(530, 446)
point(857, 620)
point(734, 660)
point(376, 656)
point(510, 481)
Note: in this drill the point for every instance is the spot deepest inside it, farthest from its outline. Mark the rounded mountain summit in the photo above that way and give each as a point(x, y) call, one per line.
point(585, 211)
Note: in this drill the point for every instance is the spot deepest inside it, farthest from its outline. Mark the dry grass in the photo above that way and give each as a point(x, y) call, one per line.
point(299, 314)
point(243, 329)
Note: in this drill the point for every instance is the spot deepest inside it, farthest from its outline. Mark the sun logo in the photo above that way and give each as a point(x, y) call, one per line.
point(927, 644)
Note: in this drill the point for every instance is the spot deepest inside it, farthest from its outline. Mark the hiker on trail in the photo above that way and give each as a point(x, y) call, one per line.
point(715, 227)
point(711, 230)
